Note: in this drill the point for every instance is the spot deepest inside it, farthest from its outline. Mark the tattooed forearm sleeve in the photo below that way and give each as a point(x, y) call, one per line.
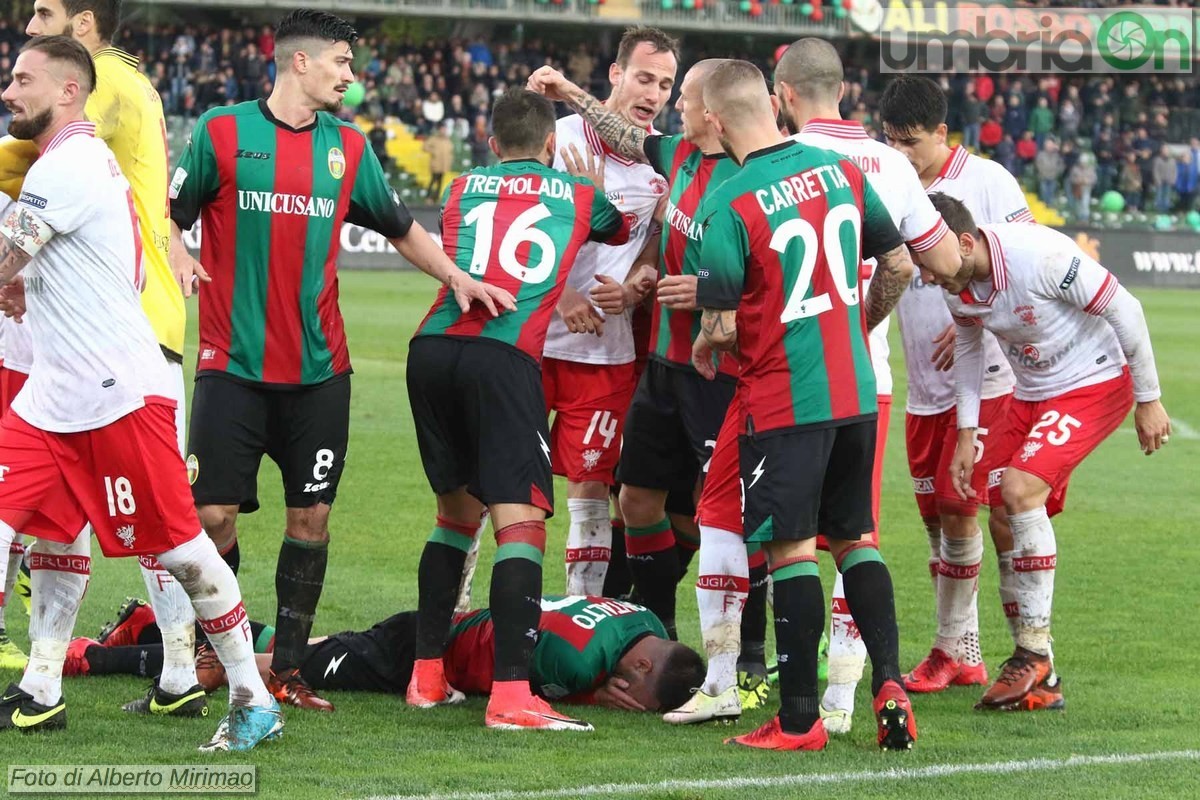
point(619, 133)
point(892, 275)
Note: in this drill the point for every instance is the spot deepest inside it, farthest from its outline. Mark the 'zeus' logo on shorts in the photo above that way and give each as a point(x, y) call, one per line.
point(923, 485)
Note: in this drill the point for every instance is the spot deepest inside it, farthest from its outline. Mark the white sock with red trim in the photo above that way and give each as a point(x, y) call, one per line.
point(217, 600)
point(958, 589)
point(721, 591)
point(58, 575)
point(1008, 592)
point(847, 653)
point(1034, 563)
point(589, 545)
point(177, 622)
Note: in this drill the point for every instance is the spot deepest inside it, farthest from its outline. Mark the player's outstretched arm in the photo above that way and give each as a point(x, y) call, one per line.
point(424, 253)
point(187, 270)
point(619, 133)
point(892, 276)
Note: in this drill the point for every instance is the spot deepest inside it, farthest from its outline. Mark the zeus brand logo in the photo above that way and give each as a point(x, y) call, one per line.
point(252, 154)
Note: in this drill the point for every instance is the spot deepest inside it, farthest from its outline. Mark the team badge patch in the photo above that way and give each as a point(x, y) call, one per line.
point(193, 469)
point(337, 163)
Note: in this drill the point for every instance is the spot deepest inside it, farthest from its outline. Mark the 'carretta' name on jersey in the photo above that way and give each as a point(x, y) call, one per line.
point(521, 184)
point(592, 613)
point(683, 223)
point(301, 205)
point(796, 189)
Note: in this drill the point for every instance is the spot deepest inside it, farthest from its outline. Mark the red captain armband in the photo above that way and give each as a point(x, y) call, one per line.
point(25, 230)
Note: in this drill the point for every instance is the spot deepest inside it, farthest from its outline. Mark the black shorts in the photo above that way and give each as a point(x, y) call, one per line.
point(481, 420)
point(378, 660)
point(303, 429)
point(801, 482)
point(671, 428)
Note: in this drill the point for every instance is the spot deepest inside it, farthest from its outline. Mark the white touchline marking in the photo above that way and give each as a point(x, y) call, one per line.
point(778, 781)
point(1184, 430)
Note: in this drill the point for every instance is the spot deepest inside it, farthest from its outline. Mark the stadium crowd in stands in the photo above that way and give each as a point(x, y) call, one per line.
point(1069, 138)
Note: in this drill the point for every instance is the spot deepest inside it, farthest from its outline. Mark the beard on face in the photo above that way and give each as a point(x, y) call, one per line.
point(30, 127)
point(332, 106)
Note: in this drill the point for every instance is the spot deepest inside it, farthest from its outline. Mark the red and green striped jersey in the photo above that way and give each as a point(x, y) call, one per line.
point(518, 225)
point(580, 641)
point(783, 243)
point(272, 200)
point(691, 173)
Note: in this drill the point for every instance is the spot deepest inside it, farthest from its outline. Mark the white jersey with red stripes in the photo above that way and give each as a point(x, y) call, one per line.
point(992, 195)
point(635, 189)
point(95, 357)
point(898, 185)
point(1043, 303)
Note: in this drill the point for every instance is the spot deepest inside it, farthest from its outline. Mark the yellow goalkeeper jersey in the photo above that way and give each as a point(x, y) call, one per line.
point(128, 115)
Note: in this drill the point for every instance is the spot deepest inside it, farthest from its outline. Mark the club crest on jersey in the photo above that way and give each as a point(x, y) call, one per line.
point(590, 459)
point(337, 163)
point(1031, 352)
point(658, 185)
point(193, 469)
point(125, 534)
point(1026, 314)
point(1029, 450)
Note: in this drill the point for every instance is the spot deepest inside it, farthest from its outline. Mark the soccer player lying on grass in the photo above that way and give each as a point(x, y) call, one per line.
point(589, 650)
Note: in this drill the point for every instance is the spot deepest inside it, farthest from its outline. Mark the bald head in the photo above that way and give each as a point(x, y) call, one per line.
point(736, 91)
point(813, 70)
point(703, 68)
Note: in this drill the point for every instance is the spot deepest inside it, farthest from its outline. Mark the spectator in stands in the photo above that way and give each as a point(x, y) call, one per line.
point(1069, 119)
point(1027, 151)
point(378, 137)
point(1107, 165)
point(1041, 121)
point(433, 111)
point(1006, 153)
point(985, 87)
point(477, 142)
point(1187, 180)
point(1016, 118)
point(1130, 105)
point(1162, 173)
point(990, 136)
point(1081, 179)
point(441, 157)
point(972, 116)
point(1129, 181)
point(580, 66)
point(1049, 167)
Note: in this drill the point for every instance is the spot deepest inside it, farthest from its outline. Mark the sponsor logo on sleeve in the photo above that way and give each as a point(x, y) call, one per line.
point(32, 200)
point(177, 182)
point(1072, 271)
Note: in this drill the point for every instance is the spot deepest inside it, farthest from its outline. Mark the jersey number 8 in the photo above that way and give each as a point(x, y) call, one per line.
point(483, 217)
point(841, 267)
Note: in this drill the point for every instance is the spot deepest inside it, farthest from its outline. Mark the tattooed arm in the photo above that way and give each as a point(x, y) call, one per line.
point(21, 236)
point(719, 328)
point(619, 133)
point(892, 275)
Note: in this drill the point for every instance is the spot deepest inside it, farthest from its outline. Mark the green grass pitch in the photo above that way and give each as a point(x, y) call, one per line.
point(1125, 624)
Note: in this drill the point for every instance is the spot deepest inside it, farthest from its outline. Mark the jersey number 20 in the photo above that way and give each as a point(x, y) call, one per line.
point(841, 267)
point(483, 217)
